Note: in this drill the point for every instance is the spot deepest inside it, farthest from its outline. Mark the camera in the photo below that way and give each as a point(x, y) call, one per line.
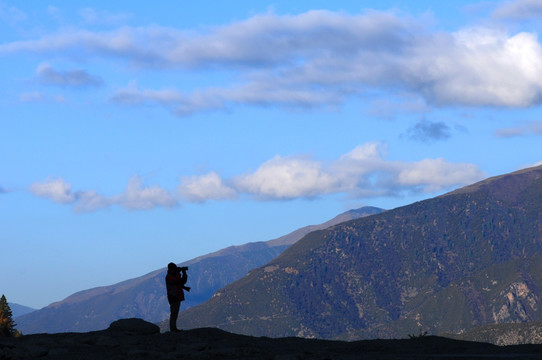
point(184, 268)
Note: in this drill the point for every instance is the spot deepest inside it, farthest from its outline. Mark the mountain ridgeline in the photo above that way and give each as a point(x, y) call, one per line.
point(145, 296)
point(447, 264)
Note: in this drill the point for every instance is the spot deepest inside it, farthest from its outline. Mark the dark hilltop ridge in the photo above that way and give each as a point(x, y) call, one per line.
point(468, 258)
point(145, 297)
point(137, 339)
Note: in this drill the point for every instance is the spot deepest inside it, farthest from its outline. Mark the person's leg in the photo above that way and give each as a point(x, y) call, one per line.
point(174, 308)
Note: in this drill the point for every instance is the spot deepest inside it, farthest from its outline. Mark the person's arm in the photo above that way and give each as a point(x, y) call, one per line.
point(184, 279)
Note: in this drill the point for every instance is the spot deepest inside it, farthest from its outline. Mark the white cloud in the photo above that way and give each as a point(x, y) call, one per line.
point(137, 197)
point(55, 189)
point(88, 201)
point(473, 67)
point(209, 99)
point(205, 187)
point(318, 58)
point(286, 178)
point(176, 102)
point(363, 172)
point(436, 174)
point(478, 67)
point(75, 78)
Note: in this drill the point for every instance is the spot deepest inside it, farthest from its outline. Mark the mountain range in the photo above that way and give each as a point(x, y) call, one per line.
point(145, 296)
point(443, 265)
point(18, 310)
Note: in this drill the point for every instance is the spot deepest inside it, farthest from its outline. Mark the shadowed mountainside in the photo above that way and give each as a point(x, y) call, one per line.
point(145, 297)
point(447, 264)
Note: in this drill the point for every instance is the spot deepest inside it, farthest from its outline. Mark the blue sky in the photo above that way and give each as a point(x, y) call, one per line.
point(134, 135)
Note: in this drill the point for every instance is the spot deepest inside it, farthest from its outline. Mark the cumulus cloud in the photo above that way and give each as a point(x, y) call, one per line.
point(135, 197)
point(60, 191)
point(473, 67)
point(286, 178)
point(75, 78)
point(319, 58)
point(519, 10)
point(436, 174)
point(55, 189)
point(88, 201)
point(362, 173)
point(205, 187)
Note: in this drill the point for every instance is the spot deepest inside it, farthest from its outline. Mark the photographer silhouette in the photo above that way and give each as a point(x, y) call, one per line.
point(175, 284)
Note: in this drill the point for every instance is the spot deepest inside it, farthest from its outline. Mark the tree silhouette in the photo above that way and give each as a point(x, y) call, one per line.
point(7, 325)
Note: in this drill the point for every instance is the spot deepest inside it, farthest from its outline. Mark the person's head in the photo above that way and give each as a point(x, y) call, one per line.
point(171, 266)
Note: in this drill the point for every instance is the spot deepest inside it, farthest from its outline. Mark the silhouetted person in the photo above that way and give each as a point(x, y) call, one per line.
point(175, 291)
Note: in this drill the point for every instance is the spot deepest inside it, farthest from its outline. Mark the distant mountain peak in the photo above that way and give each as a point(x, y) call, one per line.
point(352, 214)
point(19, 310)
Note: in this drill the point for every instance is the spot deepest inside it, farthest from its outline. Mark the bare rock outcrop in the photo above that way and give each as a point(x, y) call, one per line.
point(135, 326)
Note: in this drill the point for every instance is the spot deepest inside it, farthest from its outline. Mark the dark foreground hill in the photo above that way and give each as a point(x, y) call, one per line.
point(447, 264)
point(145, 296)
point(137, 339)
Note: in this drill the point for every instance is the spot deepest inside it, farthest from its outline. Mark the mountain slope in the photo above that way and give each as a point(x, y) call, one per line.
point(469, 257)
point(144, 297)
point(18, 310)
point(504, 334)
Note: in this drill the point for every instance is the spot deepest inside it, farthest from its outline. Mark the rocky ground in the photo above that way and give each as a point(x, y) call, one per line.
point(137, 339)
